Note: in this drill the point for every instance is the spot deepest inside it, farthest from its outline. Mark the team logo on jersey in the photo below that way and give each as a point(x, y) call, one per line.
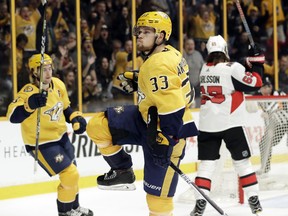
point(119, 109)
point(141, 95)
point(28, 89)
point(59, 158)
point(55, 112)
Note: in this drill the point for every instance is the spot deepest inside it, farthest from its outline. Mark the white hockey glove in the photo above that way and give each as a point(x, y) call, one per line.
point(129, 81)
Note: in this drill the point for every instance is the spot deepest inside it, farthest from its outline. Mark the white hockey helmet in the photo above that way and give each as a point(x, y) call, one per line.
point(217, 44)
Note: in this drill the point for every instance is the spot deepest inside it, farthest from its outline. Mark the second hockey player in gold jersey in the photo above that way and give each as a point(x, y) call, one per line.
point(55, 153)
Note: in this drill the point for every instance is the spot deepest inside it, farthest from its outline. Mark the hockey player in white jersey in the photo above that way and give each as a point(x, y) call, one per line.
point(221, 118)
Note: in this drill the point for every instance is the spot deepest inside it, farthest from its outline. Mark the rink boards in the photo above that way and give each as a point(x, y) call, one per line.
point(17, 167)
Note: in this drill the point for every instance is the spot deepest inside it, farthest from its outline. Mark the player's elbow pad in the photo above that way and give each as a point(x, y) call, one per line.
point(19, 115)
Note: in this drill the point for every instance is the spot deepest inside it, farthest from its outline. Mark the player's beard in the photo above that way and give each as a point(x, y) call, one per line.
point(143, 48)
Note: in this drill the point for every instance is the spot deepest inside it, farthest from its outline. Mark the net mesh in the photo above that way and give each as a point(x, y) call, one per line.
point(273, 113)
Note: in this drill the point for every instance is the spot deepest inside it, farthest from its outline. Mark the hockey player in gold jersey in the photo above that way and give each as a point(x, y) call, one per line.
point(161, 82)
point(55, 153)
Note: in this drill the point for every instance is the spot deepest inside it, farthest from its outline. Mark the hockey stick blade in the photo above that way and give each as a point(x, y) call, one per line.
point(196, 188)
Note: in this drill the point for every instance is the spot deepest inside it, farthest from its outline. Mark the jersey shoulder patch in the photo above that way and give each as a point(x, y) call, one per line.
point(28, 89)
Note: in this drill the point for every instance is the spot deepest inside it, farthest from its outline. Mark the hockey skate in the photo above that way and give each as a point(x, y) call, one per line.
point(84, 211)
point(71, 213)
point(255, 205)
point(199, 208)
point(117, 180)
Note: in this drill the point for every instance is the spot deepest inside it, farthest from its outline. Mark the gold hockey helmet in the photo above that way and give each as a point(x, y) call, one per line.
point(35, 62)
point(158, 20)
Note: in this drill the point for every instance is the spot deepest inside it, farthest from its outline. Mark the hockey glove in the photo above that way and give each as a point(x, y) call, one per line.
point(162, 149)
point(78, 122)
point(129, 81)
point(35, 101)
point(255, 56)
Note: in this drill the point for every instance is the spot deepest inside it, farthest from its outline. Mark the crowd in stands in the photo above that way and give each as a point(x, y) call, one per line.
point(106, 44)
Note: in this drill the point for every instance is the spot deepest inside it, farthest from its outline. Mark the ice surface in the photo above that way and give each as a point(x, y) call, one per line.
point(128, 203)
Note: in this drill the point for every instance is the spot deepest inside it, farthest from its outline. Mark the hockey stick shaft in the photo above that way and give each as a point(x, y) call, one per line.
point(197, 189)
point(244, 21)
point(151, 138)
point(43, 41)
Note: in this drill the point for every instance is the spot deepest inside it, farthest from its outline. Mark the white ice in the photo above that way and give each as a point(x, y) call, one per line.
point(128, 203)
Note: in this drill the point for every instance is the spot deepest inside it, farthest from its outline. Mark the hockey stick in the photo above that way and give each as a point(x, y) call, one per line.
point(151, 137)
point(244, 21)
point(43, 41)
point(197, 189)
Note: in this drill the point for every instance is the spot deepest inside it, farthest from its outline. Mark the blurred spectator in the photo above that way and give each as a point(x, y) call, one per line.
point(138, 62)
point(122, 25)
point(269, 71)
point(121, 63)
point(50, 40)
point(68, 9)
point(234, 24)
point(22, 73)
point(88, 60)
point(117, 45)
point(58, 23)
point(195, 61)
point(21, 41)
point(103, 45)
point(71, 86)
point(26, 23)
point(256, 23)
point(62, 60)
point(6, 93)
point(5, 35)
point(202, 25)
point(90, 91)
point(104, 75)
point(156, 5)
point(240, 47)
point(86, 30)
point(283, 73)
point(214, 12)
point(71, 46)
point(100, 17)
point(267, 5)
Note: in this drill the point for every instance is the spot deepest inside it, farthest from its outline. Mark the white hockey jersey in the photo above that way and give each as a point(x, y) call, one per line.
point(222, 98)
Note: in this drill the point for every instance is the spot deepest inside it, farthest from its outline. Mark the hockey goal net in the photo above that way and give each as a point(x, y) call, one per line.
point(266, 128)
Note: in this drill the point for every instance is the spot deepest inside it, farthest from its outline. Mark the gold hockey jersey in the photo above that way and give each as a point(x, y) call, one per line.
point(163, 82)
point(52, 119)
